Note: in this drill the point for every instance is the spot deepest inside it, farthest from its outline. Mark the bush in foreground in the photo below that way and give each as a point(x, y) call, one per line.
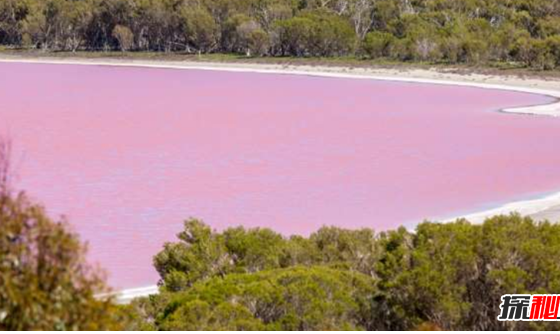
point(448, 276)
point(45, 284)
point(295, 298)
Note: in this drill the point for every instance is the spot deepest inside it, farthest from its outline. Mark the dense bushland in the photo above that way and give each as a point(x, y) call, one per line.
point(448, 276)
point(526, 32)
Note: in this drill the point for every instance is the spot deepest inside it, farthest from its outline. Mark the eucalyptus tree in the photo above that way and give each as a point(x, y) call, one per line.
point(12, 15)
point(453, 31)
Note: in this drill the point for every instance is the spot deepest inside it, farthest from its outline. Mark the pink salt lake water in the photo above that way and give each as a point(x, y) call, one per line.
point(128, 153)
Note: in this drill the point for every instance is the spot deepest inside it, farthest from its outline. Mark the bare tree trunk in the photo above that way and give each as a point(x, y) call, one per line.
point(5, 152)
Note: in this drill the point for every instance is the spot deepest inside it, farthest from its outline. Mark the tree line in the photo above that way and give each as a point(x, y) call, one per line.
point(525, 32)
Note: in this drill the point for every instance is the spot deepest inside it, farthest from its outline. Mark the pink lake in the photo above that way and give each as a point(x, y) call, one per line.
point(128, 153)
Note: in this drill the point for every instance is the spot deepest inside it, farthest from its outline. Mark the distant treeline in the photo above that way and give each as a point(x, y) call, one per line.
point(526, 32)
point(440, 276)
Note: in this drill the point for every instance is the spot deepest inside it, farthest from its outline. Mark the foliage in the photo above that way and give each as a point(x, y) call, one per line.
point(201, 253)
point(124, 36)
point(441, 276)
point(316, 33)
point(45, 284)
point(296, 298)
point(523, 32)
point(453, 275)
point(378, 44)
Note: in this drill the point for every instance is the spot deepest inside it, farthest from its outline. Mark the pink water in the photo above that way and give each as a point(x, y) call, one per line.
point(127, 154)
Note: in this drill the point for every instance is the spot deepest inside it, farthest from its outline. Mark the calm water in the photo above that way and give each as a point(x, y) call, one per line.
point(127, 154)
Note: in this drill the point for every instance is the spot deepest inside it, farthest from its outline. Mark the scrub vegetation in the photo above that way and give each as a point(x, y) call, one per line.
point(524, 33)
point(441, 276)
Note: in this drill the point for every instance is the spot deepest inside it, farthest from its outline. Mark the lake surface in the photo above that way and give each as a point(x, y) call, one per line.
point(128, 153)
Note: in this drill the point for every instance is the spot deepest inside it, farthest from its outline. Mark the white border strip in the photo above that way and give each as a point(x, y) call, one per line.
point(522, 207)
point(126, 296)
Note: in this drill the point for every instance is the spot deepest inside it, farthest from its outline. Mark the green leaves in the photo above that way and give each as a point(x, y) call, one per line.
point(448, 276)
point(523, 32)
point(45, 283)
point(296, 298)
point(316, 33)
point(456, 273)
point(201, 253)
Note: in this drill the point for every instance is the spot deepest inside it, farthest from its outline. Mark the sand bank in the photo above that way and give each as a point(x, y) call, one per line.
point(546, 208)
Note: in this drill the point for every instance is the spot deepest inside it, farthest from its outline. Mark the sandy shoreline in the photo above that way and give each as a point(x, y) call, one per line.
point(526, 85)
point(544, 208)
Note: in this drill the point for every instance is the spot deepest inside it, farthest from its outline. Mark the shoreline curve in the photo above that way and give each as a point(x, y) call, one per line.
point(527, 207)
point(551, 109)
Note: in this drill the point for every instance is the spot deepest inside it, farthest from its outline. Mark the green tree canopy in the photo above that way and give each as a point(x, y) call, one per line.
point(45, 282)
point(296, 298)
point(449, 276)
point(521, 32)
